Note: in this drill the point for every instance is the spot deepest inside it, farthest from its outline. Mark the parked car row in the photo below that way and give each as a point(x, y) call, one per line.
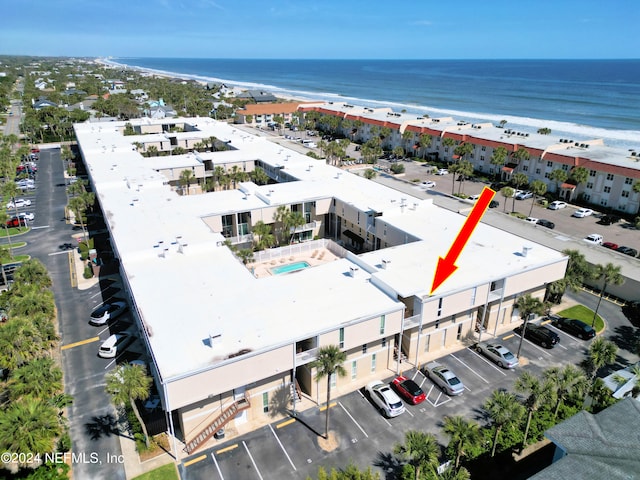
point(597, 239)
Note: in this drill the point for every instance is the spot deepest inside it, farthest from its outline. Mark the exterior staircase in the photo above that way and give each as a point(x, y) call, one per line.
point(220, 421)
point(296, 394)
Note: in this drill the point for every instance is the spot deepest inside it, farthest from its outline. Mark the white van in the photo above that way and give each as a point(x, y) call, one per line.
point(114, 345)
point(309, 144)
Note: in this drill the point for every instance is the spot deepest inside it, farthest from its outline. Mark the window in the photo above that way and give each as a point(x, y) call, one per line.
point(625, 194)
point(589, 185)
point(364, 348)
point(607, 189)
point(354, 369)
point(482, 158)
point(426, 343)
point(333, 381)
point(373, 363)
point(603, 202)
point(265, 402)
point(439, 306)
point(473, 295)
point(592, 173)
point(609, 176)
point(546, 175)
point(437, 323)
point(382, 321)
point(525, 168)
point(549, 164)
point(537, 171)
point(586, 197)
point(484, 149)
point(628, 181)
point(341, 339)
point(444, 337)
point(459, 335)
point(384, 342)
point(565, 167)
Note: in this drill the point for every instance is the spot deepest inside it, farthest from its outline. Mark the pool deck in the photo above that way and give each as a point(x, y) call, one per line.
point(313, 258)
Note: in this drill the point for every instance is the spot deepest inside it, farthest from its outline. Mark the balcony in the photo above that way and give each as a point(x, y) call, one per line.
point(306, 356)
point(241, 239)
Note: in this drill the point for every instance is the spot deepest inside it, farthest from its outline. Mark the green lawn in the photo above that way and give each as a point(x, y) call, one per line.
point(14, 231)
point(585, 314)
point(166, 472)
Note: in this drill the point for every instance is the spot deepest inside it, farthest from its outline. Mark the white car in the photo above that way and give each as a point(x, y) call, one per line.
point(557, 205)
point(18, 203)
point(582, 212)
point(474, 198)
point(27, 216)
point(387, 401)
point(442, 171)
point(448, 382)
point(498, 354)
point(107, 312)
point(594, 239)
point(532, 220)
point(114, 345)
point(524, 195)
point(428, 184)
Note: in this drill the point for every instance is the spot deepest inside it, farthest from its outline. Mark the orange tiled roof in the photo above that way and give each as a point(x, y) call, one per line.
point(269, 108)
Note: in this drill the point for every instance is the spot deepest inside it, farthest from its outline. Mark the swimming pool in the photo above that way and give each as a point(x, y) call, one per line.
point(291, 267)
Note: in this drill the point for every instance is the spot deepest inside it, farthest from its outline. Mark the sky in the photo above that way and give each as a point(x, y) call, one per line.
point(327, 29)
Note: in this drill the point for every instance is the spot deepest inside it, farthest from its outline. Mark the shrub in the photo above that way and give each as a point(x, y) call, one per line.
point(397, 168)
point(88, 272)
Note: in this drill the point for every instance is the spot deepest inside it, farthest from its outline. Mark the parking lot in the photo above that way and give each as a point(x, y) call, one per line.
point(290, 448)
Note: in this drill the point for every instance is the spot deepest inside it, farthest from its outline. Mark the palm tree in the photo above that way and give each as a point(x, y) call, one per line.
point(370, 174)
point(420, 449)
point(498, 157)
point(259, 176)
point(579, 175)
point(506, 192)
point(295, 220)
point(518, 180)
point(463, 434)
point(559, 176)
point(18, 343)
point(601, 352)
point(527, 305)
point(281, 217)
point(577, 270)
point(329, 363)
point(262, 236)
point(636, 189)
point(504, 410)
point(39, 378)
point(610, 275)
point(520, 154)
point(567, 381)
point(538, 188)
point(448, 142)
point(33, 272)
point(454, 168)
point(30, 425)
point(79, 206)
point(538, 393)
point(425, 141)
point(129, 383)
point(185, 179)
point(465, 169)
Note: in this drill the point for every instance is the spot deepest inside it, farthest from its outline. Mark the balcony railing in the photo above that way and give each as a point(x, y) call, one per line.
point(411, 322)
point(306, 356)
point(241, 239)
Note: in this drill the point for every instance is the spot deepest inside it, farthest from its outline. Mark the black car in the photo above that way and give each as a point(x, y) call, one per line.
point(546, 223)
point(608, 220)
point(632, 252)
point(575, 327)
point(494, 204)
point(540, 335)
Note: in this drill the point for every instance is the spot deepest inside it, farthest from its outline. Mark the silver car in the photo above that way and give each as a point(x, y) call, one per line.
point(387, 401)
point(444, 378)
point(498, 354)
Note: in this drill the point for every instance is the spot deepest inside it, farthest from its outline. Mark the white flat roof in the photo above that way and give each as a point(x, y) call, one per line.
point(188, 286)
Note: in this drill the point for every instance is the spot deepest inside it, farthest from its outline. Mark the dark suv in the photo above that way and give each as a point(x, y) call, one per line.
point(540, 335)
point(575, 327)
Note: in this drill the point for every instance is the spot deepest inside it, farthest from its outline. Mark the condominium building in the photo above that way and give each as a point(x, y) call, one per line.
point(612, 170)
point(233, 337)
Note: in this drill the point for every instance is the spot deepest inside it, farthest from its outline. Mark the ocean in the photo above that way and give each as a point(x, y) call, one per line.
point(585, 98)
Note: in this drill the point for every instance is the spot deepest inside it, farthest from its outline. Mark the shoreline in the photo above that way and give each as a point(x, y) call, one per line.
point(613, 137)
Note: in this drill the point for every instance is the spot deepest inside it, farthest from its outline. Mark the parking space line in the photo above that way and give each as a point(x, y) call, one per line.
point(227, 449)
point(81, 342)
point(384, 418)
point(472, 370)
point(215, 462)
point(195, 460)
point(285, 423)
point(282, 447)
point(543, 350)
point(331, 405)
point(353, 420)
point(252, 460)
point(488, 362)
point(508, 337)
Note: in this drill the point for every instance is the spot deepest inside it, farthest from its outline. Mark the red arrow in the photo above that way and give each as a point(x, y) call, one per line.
point(446, 266)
